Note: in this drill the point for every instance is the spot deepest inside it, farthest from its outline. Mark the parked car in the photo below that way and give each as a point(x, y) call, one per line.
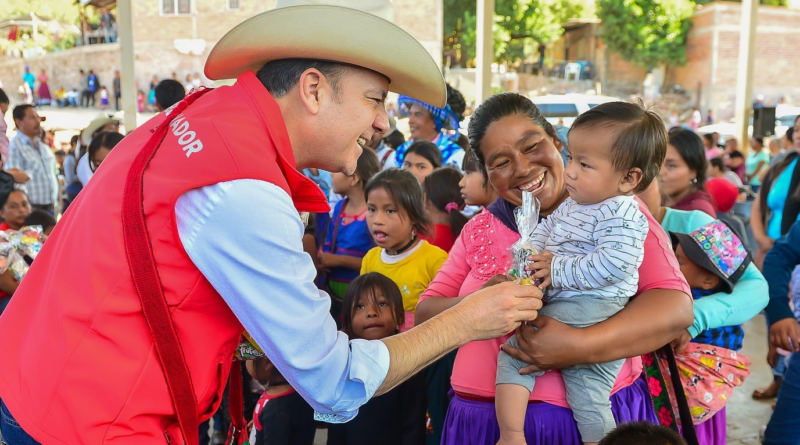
point(567, 107)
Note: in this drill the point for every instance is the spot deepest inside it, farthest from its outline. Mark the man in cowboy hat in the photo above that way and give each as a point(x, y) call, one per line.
point(126, 333)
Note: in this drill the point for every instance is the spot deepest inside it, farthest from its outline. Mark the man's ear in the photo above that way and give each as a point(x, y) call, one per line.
point(309, 88)
point(630, 180)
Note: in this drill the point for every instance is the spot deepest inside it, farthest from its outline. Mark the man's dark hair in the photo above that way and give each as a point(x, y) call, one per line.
point(40, 218)
point(641, 137)
point(19, 111)
point(169, 92)
point(717, 162)
point(642, 433)
point(3, 97)
point(280, 76)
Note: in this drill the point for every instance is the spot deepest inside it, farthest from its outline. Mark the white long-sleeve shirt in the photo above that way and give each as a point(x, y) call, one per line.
point(597, 249)
point(245, 237)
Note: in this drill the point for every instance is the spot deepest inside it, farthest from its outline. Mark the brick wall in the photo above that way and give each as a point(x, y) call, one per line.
point(713, 53)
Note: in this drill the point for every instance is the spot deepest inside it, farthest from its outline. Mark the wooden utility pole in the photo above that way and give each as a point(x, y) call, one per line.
point(485, 51)
point(127, 74)
point(744, 77)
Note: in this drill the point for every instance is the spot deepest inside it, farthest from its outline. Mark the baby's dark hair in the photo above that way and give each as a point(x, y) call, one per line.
point(40, 218)
point(427, 150)
point(642, 433)
point(641, 137)
point(406, 193)
point(441, 189)
point(371, 285)
point(368, 165)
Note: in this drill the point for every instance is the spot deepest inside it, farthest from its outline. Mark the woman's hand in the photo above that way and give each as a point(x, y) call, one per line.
point(785, 334)
point(497, 279)
point(495, 311)
point(679, 344)
point(547, 343)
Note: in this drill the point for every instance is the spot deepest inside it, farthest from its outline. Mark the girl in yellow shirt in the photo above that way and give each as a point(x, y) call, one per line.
point(396, 217)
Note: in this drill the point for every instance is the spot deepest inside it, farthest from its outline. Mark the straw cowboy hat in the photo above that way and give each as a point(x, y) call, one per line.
point(355, 32)
point(97, 123)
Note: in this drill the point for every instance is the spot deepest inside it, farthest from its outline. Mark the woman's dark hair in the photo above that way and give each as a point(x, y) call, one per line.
point(760, 140)
point(3, 97)
point(427, 150)
point(442, 190)
point(406, 193)
point(640, 141)
point(394, 139)
point(496, 108)
point(4, 198)
point(368, 166)
point(107, 140)
point(462, 141)
point(692, 150)
point(371, 285)
point(717, 162)
point(40, 218)
point(790, 133)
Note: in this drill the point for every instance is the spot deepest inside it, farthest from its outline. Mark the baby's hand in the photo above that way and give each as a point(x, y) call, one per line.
point(541, 265)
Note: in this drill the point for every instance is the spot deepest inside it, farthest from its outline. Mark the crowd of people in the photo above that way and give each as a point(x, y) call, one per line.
point(631, 213)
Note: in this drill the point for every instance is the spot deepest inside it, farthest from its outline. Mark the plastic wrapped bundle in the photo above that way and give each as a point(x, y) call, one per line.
point(527, 216)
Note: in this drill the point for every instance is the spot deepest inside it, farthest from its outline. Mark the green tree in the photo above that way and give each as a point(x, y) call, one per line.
point(64, 12)
point(519, 26)
point(648, 33)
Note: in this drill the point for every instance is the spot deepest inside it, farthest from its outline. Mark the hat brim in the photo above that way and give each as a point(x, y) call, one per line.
point(331, 33)
point(86, 133)
point(699, 257)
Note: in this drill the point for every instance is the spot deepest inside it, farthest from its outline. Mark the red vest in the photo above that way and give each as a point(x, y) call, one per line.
point(79, 365)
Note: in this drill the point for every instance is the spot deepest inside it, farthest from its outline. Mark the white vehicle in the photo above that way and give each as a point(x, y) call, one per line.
point(566, 107)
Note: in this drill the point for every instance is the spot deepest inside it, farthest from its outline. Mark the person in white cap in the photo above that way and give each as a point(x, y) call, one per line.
point(126, 334)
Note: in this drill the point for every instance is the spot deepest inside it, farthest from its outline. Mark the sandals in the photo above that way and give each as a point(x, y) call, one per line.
point(769, 392)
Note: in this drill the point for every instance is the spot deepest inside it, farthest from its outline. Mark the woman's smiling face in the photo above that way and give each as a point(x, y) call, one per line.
point(519, 156)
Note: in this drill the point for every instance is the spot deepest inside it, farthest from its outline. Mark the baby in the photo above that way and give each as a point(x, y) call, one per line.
point(591, 248)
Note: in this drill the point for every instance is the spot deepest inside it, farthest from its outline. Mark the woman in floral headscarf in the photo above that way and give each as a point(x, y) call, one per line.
point(429, 123)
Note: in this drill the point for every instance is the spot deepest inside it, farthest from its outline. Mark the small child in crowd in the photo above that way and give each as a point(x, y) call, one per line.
point(396, 218)
point(443, 204)
point(475, 187)
point(642, 433)
point(348, 238)
point(590, 250)
point(712, 259)
point(103, 98)
point(421, 159)
point(281, 416)
point(41, 218)
point(373, 310)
